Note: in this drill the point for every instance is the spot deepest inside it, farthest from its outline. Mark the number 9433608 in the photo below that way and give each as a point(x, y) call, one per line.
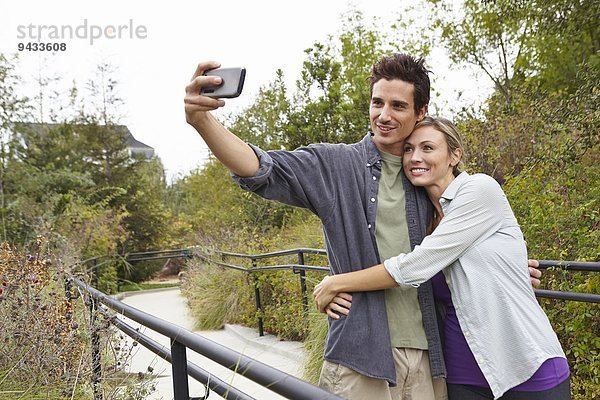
point(42, 46)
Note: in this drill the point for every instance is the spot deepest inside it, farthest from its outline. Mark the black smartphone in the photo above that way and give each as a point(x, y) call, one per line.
point(233, 83)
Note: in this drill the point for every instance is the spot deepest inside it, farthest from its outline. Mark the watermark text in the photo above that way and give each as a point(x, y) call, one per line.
point(85, 30)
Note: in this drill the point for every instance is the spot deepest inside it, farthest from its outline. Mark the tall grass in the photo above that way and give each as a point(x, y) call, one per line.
point(315, 346)
point(213, 295)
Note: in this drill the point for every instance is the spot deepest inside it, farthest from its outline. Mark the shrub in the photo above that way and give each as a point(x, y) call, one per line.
point(41, 335)
point(46, 330)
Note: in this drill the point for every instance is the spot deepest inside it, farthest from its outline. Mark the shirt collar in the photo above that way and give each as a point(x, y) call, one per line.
point(373, 155)
point(452, 188)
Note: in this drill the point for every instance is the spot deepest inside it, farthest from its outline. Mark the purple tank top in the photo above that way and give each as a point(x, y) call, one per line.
point(461, 365)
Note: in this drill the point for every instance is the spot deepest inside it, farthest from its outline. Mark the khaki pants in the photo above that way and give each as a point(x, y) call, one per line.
point(413, 376)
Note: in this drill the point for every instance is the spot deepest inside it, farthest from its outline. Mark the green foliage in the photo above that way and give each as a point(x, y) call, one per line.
point(331, 103)
point(541, 40)
point(215, 207)
point(12, 108)
point(578, 328)
point(75, 182)
point(148, 215)
point(281, 296)
point(263, 122)
point(220, 295)
point(566, 33)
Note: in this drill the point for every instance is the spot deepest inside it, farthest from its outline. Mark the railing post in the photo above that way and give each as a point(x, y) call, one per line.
point(96, 356)
point(303, 283)
point(259, 309)
point(181, 390)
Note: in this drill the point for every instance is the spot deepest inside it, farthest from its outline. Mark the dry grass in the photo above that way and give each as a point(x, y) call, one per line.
point(45, 335)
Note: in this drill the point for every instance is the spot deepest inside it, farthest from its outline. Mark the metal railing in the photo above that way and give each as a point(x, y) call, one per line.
point(158, 255)
point(181, 340)
point(577, 266)
point(300, 268)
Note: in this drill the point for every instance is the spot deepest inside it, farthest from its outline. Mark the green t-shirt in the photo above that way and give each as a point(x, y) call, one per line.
point(391, 232)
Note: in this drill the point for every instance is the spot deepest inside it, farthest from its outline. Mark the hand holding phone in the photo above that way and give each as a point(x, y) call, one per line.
point(231, 86)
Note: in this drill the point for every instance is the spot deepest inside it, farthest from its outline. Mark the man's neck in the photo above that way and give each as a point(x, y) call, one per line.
point(395, 150)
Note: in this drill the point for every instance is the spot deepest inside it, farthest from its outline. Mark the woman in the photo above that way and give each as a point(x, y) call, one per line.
point(498, 343)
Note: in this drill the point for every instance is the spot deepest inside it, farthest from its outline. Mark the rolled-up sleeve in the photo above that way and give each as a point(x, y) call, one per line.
point(262, 175)
point(474, 214)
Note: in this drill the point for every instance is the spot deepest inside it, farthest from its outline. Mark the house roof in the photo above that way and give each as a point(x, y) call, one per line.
point(132, 142)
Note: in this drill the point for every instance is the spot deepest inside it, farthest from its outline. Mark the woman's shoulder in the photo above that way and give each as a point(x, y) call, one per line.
point(479, 184)
point(481, 179)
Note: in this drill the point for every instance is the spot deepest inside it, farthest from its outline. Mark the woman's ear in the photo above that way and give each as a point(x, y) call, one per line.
point(456, 157)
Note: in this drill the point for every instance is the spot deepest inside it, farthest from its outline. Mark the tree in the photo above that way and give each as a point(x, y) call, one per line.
point(76, 183)
point(541, 40)
point(13, 107)
point(263, 123)
point(331, 103)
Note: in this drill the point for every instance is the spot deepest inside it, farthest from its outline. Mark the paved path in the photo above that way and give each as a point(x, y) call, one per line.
point(170, 306)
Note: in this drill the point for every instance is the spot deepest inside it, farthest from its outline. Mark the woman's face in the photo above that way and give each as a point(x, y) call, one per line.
point(427, 160)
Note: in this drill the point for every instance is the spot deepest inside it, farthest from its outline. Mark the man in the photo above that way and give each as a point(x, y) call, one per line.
point(369, 212)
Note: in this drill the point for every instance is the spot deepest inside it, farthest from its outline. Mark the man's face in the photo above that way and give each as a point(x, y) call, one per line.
point(392, 114)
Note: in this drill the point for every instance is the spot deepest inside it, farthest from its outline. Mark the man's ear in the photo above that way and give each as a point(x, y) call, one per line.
point(423, 112)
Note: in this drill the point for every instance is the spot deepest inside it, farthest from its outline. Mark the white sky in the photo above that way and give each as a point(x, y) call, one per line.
point(260, 35)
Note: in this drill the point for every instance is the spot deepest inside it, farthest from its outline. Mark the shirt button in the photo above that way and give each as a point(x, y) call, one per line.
point(369, 226)
point(442, 200)
point(372, 199)
point(374, 178)
point(466, 333)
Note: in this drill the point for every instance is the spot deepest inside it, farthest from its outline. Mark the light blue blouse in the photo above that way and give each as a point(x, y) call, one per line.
point(480, 248)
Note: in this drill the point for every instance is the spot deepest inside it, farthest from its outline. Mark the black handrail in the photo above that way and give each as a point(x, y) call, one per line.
point(583, 266)
point(181, 339)
point(303, 250)
point(544, 264)
point(300, 269)
point(212, 382)
point(158, 255)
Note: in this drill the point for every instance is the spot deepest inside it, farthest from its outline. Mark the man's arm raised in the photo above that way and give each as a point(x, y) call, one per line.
point(233, 152)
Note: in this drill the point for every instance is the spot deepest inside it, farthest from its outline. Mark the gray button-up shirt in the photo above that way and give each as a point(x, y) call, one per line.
point(479, 246)
point(339, 183)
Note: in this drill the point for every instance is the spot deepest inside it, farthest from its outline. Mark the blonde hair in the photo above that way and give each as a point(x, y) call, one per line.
point(452, 136)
